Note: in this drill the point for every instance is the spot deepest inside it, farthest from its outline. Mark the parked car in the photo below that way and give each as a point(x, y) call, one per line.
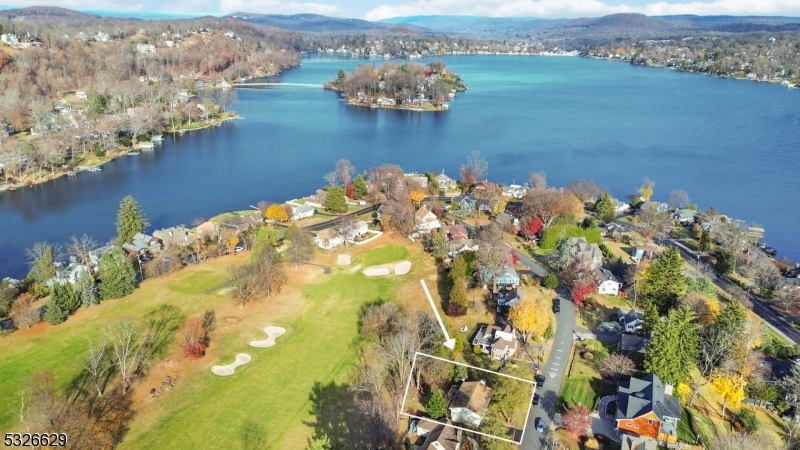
point(535, 399)
point(539, 381)
point(540, 423)
point(556, 306)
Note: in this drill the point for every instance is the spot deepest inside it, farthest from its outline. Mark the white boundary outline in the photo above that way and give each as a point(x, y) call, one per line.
point(527, 416)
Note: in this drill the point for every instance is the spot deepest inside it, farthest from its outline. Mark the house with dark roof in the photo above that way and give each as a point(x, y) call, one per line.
point(579, 247)
point(631, 320)
point(647, 413)
point(630, 344)
point(609, 283)
point(506, 297)
point(468, 402)
point(434, 435)
point(456, 232)
point(464, 205)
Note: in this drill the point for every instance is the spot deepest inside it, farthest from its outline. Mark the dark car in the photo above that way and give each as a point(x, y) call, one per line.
point(556, 308)
point(540, 423)
point(539, 381)
point(535, 399)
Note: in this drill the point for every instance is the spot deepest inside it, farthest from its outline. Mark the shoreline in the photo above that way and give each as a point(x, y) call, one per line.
point(83, 168)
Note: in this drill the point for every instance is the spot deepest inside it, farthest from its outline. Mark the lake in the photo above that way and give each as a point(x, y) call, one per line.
point(730, 144)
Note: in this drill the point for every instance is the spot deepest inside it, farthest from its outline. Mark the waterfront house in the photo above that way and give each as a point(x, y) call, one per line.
point(297, 212)
point(432, 435)
point(631, 321)
point(385, 101)
point(456, 232)
point(498, 341)
point(609, 283)
point(207, 230)
point(482, 186)
point(514, 191)
point(463, 245)
point(468, 402)
point(647, 413)
point(244, 222)
point(178, 236)
point(684, 216)
point(141, 244)
point(328, 239)
point(425, 220)
point(658, 206)
point(445, 183)
point(620, 206)
point(580, 248)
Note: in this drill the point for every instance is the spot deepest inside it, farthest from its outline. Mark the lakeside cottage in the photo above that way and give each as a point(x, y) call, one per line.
point(445, 183)
point(178, 236)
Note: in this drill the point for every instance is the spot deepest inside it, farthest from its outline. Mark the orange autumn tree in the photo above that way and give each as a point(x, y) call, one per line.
point(277, 212)
point(417, 196)
point(527, 317)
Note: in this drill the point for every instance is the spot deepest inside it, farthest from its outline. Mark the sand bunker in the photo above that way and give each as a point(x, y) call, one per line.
point(377, 271)
point(272, 334)
point(343, 260)
point(401, 268)
point(224, 371)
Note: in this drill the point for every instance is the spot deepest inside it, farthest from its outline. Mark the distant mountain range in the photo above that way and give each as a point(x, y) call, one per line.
point(316, 23)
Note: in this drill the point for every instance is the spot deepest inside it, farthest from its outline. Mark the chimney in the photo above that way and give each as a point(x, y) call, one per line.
point(668, 389)
point(483, 382)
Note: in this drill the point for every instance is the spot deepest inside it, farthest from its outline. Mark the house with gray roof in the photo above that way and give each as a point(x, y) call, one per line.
point(684, 216)
point(433, 435)
point(579, 247)
point(658, 206)
point(141, 243)
point(445, 182)
point(297, 212)
point(647, 413)
point(464, 205)
point(498, 341)
point(178, 236)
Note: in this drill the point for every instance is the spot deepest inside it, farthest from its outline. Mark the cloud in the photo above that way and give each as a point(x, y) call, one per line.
point(581, 8)
point(279, 7)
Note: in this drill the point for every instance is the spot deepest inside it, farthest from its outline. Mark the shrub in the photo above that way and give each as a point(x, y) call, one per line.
point(193, 339)
point(747, 418)
point(477, 349)
point(588, 356)
point(550, 281)
point(591, 444)
point(456, 310)
point(436, 406)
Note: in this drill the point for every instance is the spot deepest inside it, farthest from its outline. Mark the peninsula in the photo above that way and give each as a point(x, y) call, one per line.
point(412, 86)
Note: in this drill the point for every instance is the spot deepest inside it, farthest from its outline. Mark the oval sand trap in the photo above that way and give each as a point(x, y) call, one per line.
point(272, 334)
point(224, 371)
point(343, 260)
point(402, 268)
point(377, 271)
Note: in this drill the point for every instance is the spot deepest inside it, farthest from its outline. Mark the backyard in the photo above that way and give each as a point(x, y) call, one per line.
point(583, 384)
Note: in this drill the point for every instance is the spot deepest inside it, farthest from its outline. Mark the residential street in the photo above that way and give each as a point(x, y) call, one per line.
point(777, 320)
point(553, 370)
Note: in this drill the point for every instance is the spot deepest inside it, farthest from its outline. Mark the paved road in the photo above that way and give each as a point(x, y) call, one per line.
point(553, 371)
point(322, 225)
point(765, 311)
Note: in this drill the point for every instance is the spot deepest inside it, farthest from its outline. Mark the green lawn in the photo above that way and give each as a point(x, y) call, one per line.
point(383, 255)
point(584, 384)
point(692, 424)
point(195, 282)
point(287, 392)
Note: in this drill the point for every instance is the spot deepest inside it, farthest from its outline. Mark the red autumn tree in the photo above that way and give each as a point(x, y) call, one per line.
point(513, 258)
point(530, 227)
point(350, 190)
point(194, 339)
point(580, 292)
point(577, 420)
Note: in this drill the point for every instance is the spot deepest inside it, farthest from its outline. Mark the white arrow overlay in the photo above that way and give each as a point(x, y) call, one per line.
point(449, 342)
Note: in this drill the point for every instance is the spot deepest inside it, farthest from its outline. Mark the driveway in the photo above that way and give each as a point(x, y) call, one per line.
point(553, 371)
point(604, 427)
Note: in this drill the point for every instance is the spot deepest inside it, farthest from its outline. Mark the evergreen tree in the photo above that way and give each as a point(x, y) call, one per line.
point(663, 281)
point(440, 246)
point(724, 262)
point(335, 200)
point(117, 273)
point(86, 289)
point(130, 220)
point(460, 373)
point(56, 312)
point(67, 297)
point(605, 208)
point(672, 352)
point(705, 241)
point(563, 255)
point(360, 183)
point(651, 319)
point(732, 319)
point(436, 406)
point(458, 293)
point(43, 268)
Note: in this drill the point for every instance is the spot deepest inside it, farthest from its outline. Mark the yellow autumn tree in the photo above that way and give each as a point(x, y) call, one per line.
point(530, 316)
point(731, 387)
point(499, 206)
point(277, 212)
point(646, 189)
point(683, 390)
point(417, 196)
point(710, 313)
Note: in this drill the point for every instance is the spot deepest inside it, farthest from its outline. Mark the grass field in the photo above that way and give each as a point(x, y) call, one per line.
point(584, 384)
point(383, 255)
point(285, 395)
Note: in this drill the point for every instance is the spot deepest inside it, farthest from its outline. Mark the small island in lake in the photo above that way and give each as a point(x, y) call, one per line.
point(399, 86)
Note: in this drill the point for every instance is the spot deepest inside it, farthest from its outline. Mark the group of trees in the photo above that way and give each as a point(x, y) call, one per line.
point(263, 275)
point(459, 278)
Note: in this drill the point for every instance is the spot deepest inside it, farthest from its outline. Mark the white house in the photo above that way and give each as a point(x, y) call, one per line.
point(145, 48)
point(514, 191)
point(609, 284)
point(102, 37)
point(230, 34)
point(425, 220)
point(462, 245)
point(10, 39)
point(301, 212)
point(356, 229)
point(81, 95)
point(469, 402)
point(620, 206)
point(328, 239)
point(631, 320)
point(445, 182)
point(169, 44)
point(684, 216)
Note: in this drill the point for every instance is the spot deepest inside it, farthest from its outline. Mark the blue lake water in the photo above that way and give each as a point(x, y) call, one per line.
point(731, 144)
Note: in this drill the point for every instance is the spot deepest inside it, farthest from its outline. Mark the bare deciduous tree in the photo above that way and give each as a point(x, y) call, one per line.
point(547, 204)
point(345, 171)
point(81, 248)
point(301, 247)
point(332, 178)
point(537, 180)
point(583, 190)
point(96, 365)
point(679, 199)
point(474, 169)
point(616, 366)
point(244, 282)
point(130, 350)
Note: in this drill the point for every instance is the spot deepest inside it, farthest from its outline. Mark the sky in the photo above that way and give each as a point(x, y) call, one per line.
point(383, 9)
